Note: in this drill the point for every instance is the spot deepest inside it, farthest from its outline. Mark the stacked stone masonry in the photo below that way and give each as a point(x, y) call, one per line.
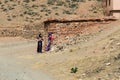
point(65, 33)
point(69, 33)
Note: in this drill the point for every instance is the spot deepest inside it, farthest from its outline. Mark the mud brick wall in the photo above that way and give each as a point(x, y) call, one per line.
point(69, 33)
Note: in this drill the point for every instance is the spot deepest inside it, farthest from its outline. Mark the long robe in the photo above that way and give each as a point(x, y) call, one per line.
point(39, 46)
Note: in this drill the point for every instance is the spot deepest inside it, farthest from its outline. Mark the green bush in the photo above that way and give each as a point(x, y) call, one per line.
point(5, 9)
point(55, 7)
point(51, 2)
point(5, 1)
point(46, 14)
point(117, 57)
point(49, 11)
point(74, 70)
point(30, 12)
point(73, 5)
point(34, 6)
point(71, 50)
point(14, 16)
point(67, 12)
point(42, 5)
point(60, 3)
point(57, 14)
point(21, 15)
point(9, 19)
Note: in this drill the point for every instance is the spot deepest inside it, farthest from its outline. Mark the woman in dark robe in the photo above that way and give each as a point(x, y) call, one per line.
point(39, 45)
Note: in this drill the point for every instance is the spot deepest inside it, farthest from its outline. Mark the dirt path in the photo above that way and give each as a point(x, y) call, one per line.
point(19, 60)
point(11, 68)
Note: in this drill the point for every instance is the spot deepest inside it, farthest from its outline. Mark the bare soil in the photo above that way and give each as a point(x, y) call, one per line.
point(12, 66)
point(96, 59)
point(20, 13)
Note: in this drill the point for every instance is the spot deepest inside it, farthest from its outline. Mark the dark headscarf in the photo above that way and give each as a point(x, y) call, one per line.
point(40, 36)
point(49, 34)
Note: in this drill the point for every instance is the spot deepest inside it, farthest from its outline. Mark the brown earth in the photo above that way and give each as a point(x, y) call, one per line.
point(96, 58)
point(97, 55)
point(25, 17)
point(20, 13)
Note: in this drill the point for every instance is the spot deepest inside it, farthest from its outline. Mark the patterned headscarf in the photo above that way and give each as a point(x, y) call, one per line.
point(49, 34)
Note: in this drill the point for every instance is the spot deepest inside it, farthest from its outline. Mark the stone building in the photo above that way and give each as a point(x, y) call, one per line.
point(112, 8)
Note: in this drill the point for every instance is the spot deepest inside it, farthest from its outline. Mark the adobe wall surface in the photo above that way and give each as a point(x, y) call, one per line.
point(70, 33)
point(112, 8)
point(108, 6)
point(116, 15)
point(65, 33)
point(116, 4)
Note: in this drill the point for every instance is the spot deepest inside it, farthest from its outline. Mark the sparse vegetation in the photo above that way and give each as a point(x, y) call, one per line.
point(60, 3)
point(117, 57)
point(74, 5)
point(28, 10)
point(51, 2)
point(74, 70)
point(71, 50)
point(57, 14)
point(27, 1)
point(67, 12)
point(9, 19)
point(77, 62)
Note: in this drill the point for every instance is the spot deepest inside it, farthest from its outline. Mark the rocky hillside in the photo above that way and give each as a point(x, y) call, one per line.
point(20, 12)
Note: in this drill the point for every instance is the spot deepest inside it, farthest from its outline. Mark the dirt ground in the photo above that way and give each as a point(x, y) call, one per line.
point(16, 13)
point(96, 59)
point(12, 64)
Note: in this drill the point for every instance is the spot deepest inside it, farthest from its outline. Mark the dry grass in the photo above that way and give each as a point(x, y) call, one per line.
point(19, 13)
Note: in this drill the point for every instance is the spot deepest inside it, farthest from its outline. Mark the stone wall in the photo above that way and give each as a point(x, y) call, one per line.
point(67, 33)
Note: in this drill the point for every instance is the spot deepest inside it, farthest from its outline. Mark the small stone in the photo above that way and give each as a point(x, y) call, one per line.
point(83, 74)
point(118, 44)
point(107, 64)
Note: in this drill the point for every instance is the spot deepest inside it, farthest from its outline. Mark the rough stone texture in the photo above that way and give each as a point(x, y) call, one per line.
point(66, 34)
